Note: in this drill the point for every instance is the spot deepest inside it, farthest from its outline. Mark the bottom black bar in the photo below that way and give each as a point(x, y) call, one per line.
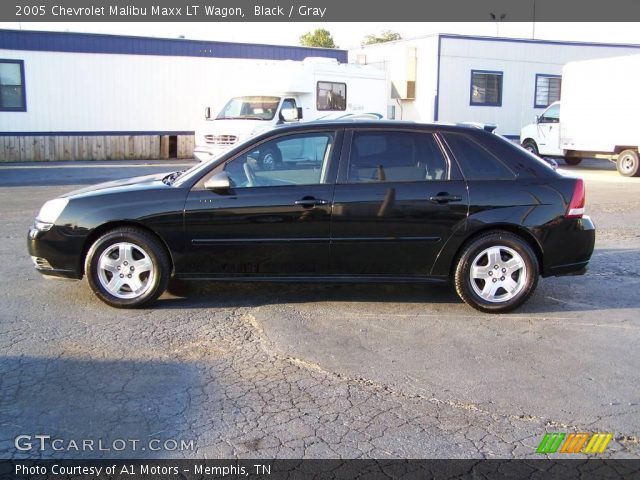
point(543, 469)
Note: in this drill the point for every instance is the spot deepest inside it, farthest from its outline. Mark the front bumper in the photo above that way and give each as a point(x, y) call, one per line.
point(54, 253)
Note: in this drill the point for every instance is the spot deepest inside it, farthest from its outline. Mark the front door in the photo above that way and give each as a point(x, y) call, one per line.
point(396, 202)
point(549, 131)
point(275, 218)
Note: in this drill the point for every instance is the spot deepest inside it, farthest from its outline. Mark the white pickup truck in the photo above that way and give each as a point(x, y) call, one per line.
point(597, 116)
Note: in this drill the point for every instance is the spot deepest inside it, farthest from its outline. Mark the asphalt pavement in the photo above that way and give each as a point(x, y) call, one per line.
point(317, 371)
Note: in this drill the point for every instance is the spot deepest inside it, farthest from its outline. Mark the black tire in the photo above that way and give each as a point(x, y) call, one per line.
point(628, 164)
point(472, 250)
point(144, 246)
point(270, 159)
point(530, 145)
point(572, 160)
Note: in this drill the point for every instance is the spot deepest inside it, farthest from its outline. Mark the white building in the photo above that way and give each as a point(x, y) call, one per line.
point(70, 96)
point(458, 78)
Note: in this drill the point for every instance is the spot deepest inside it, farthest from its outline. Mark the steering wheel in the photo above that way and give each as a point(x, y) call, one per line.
point(252, 180)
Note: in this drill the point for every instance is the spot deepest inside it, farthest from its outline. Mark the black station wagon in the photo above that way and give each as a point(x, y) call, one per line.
point(348, 201)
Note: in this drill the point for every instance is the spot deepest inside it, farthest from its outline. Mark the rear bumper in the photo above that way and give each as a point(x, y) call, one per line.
point(568, 247)
point(572, 269)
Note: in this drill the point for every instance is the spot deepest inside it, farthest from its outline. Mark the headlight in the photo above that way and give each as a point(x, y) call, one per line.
point(51, 210)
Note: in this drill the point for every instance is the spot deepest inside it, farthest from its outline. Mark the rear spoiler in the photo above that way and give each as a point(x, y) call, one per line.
point(487, 127)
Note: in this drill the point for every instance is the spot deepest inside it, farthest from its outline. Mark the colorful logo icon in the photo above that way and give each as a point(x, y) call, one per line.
point(574, 443)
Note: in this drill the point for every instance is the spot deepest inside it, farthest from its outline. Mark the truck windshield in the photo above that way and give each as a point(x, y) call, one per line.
point(249, 108)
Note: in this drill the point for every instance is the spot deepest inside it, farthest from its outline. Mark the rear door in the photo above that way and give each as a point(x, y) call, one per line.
point(397, 200)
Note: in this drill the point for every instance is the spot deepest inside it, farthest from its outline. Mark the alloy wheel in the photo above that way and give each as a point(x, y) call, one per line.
point(125, 270)
point(498, 274)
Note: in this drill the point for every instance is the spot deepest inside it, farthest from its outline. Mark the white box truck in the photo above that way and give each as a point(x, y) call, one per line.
point(598, 115)
point(291, 91)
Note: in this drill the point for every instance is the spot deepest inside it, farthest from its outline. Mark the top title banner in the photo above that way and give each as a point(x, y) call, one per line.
point(319, 10)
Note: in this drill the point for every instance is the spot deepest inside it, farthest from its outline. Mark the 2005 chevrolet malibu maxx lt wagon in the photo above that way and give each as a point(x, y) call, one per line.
point(349, 201)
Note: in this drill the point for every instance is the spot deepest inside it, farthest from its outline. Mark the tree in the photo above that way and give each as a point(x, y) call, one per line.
point(385, 36)
point(318, 38)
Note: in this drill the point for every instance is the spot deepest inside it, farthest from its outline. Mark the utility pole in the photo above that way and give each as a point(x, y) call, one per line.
point(497, 19)
point(533, 34)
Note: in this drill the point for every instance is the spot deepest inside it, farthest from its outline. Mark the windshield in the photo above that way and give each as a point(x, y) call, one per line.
point(251, 108)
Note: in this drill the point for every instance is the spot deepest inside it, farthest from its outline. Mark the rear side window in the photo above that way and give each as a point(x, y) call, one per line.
point(395, 157)
point(476, 162)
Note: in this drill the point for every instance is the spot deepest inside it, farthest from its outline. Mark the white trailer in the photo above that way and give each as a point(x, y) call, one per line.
point(314, 89)
point(597, 116)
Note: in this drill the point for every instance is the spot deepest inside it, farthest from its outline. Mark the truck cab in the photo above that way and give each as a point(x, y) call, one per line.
point(543, 136)
point(241, 118)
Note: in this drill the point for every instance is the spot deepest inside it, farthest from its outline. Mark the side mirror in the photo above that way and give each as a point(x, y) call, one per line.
point(289, 114)
point(218, 183)
point(537, 118)
point(299, 113)
point(207, 113)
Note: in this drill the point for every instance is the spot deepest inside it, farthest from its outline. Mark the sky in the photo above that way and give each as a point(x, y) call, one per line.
point(346, 35)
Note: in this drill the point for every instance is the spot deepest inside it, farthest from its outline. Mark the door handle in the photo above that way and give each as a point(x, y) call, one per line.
point(310, 202)
point(445, 198)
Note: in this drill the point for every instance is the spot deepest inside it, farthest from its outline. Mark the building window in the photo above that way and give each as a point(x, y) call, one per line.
point(12, 95)
point(548, 89)
point(486, 88)
point(331, 96)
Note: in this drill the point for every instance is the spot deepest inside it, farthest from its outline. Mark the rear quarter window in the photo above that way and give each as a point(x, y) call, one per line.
point(517, 158)
point(476, 161)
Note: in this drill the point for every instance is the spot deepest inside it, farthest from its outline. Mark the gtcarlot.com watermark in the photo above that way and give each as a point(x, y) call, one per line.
point(43, 443)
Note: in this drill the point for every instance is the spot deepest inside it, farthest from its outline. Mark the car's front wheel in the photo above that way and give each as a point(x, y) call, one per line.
point(496, 272)
point(127, 268)
point(572, 160)
point(531, 146)
point(270, 159)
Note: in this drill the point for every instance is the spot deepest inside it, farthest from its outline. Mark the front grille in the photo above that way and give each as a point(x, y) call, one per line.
point(221, 139)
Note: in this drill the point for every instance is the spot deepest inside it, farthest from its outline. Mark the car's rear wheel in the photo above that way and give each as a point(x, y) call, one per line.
point(497, 272)
point(127, 268)
point(628, 163)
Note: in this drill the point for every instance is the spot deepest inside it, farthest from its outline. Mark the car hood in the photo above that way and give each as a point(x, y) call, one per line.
point(144, 182)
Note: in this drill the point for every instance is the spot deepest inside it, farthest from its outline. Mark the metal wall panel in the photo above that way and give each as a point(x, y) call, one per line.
point(519, 62)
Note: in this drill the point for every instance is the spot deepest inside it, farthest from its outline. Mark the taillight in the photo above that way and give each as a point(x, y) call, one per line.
point(576, 205)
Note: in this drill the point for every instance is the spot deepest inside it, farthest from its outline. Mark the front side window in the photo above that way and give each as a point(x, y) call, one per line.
point(249, 108)
point(548, 89)
point(551, 115)
point(395, 157)
point(12, 94)
point(486, 88)
point(331, 96)
point(300, 159)
point(476, 162)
